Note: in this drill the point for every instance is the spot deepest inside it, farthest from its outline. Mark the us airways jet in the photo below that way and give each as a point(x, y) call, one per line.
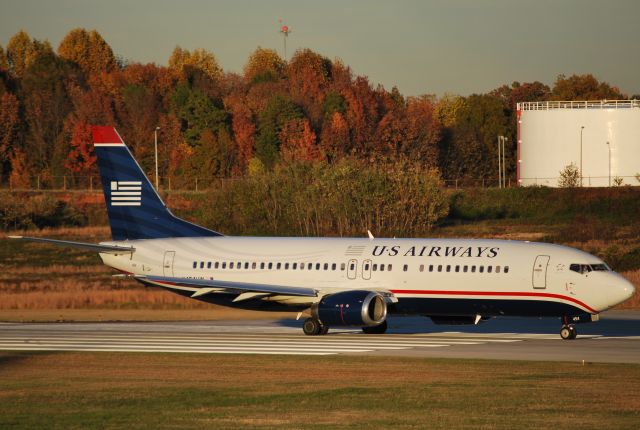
point(341, 281)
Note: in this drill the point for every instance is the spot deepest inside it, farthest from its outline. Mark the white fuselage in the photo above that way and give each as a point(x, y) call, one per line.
point(427, 276)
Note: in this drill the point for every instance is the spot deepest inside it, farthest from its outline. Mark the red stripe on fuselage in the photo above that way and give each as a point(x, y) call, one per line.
point(495, 293)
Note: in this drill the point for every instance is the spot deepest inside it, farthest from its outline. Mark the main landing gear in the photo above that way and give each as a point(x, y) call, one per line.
point(313, 327)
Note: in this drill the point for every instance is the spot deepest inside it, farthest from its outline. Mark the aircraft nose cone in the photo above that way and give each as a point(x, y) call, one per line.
point(625, 290)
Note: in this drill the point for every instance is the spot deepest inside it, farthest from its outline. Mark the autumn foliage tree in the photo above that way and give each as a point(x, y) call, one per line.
point(310, 116)
point(88, 50)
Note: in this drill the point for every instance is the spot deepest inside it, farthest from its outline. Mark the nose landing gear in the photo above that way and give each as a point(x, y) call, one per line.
point(568, 332)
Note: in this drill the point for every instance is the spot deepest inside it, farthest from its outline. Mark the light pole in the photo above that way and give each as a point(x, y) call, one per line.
point(502, 168)
point(499, 163)
point(156, 151)
point(504, 163)
point(609, 146)
point(581, 130)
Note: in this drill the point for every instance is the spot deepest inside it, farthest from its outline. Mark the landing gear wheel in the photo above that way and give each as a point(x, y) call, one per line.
point(376, 329)
point(324, 330)
point(568, 332)
point(311, 327)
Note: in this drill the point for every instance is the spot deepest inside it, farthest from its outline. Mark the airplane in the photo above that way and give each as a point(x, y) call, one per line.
point(334, 282)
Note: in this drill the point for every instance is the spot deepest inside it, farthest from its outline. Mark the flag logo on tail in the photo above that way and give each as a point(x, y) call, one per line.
point(126, 193)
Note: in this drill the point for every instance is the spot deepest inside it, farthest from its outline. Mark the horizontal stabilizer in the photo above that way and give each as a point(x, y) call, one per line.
point(208, 285)
point(102, 249)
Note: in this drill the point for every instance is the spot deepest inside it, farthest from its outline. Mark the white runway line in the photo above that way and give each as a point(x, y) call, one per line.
point(242, 343)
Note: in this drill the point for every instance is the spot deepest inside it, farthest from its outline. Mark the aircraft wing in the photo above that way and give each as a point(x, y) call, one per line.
point(103, 249)
point(205, 286)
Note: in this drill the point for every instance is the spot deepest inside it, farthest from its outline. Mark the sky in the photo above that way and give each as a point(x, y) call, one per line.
point(422, 47)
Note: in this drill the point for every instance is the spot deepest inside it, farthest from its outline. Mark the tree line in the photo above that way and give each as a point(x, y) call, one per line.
point(274, 114)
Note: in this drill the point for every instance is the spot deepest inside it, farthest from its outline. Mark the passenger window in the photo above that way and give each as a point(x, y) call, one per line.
point(342, 266)
point(457, 269)
point(295, 266)
point(195, 264)
point(317, 266)
point(465, 269)
point(253, 265)
point(217, 265)
point(202, 264)
point(224, 265)
point(246, 265)
point(301, 266)
point(239, 266)
point(270, 266)
point(209, 265)
point(231, 265)
point(310, 266)
point(262, 265)
point(481, 269)
point(497, 269)
point(366, 266)
point(382, 267)
point(422, 267)
point(353, 266)
point(333, 266)
point(489, 269)
point(440, 268)
point(448, 268)
point(506, 269)
point(326, 266)
point(278, 266)
point(375, 267)
point(473, 269)
point(430, 267)
point(389, 267)
point(405, 268)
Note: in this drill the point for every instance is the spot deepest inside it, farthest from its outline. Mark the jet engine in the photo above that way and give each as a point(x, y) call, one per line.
point(351, 308)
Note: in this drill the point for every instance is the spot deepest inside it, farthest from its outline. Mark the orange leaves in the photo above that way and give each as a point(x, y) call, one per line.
point(264, 65)
point(298, 141)
point(88, 50)
point(199, 58)
point(82, 158)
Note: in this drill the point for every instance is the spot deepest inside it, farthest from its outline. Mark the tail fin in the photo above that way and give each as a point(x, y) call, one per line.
point(135, 209)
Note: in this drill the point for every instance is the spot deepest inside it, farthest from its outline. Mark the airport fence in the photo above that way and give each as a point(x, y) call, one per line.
point(92, 183)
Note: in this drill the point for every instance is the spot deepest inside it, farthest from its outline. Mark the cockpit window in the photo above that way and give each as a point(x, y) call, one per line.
point(586, 268)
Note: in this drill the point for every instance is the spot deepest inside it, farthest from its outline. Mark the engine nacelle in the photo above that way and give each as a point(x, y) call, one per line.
point(351, 308)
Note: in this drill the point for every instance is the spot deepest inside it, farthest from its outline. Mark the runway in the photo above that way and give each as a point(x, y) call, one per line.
point(614, 339)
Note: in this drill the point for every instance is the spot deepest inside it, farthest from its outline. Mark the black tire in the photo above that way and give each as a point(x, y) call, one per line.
point(567, 332)
point(376, 329)
point(324, 330)
point(311, 327)
point(574, 332)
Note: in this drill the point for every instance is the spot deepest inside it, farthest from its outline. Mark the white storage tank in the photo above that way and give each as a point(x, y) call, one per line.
point(601, 136)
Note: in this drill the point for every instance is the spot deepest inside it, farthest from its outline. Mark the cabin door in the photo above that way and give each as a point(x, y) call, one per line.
point(366, 269)
point(167, 266)
point(540, 271)
point(352, 269)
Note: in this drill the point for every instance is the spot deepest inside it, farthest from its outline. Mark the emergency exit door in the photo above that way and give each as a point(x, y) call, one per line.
point(167, 266)
point(540, 271)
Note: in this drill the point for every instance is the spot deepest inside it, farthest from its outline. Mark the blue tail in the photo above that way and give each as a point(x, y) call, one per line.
point(135, 209)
